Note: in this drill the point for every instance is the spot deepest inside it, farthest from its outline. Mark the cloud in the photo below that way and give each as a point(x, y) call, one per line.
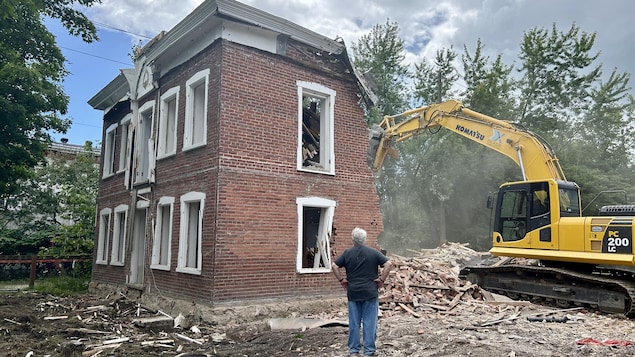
point(143, 17)
point(426, 26)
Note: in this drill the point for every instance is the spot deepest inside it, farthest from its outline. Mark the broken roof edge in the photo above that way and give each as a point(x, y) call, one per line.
point(237, 11)
point(369, 96)
point(112, 93)
point(119, 88)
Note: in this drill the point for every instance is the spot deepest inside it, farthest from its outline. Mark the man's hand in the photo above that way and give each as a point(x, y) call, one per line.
point(379, 283)
point(344, 283)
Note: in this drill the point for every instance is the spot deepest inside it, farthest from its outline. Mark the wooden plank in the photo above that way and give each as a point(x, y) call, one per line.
point(412, 312)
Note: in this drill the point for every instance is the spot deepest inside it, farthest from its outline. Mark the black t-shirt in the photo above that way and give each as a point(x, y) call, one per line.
point(361, 263)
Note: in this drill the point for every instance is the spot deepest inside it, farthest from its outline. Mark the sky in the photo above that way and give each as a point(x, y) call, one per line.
point(425, 26)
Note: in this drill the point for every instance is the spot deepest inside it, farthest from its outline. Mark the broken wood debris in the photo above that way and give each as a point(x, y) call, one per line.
point(517, 315)
point(428, 281)
point(122, 321)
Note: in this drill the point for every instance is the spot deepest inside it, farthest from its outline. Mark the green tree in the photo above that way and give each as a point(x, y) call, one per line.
point(558, 73)
point(54, 212)
point(430, 175)
point(434, 82)
point(586, 120)
point(381, 55)
point(489, 86)
point(32, 99)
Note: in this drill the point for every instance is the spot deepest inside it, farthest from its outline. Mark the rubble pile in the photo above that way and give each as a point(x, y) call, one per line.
point(429, 281)
point(93, 329)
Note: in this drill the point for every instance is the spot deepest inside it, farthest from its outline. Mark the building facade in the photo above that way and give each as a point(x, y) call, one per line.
point(233, 161)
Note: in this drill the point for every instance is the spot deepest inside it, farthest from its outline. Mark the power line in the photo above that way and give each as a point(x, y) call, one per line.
point(100, 24)
point(100, 57)
point(92, 126)
point(120, 30)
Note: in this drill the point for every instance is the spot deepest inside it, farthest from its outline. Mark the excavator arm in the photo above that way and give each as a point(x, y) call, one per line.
point(530, 152)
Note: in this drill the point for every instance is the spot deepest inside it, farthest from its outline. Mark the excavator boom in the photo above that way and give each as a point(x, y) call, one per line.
point(530, 152)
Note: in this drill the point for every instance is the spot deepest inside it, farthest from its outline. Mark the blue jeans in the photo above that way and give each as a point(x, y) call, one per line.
point(362, 313)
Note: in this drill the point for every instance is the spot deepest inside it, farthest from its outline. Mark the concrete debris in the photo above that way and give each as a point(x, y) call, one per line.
point(303, 324)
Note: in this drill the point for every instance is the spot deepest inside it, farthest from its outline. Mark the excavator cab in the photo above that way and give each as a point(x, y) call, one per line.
point(530, 209)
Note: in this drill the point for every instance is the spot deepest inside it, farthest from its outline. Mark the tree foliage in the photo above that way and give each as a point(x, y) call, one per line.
point(54, 212)
point(558, 74)
point(32, 100)
point(434, 82)
point(381, 54)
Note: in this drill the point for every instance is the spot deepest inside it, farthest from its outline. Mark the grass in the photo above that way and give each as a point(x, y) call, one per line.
point(62, 285)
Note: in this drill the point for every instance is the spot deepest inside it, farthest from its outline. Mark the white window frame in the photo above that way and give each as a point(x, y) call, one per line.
point(324, 232)
point(184, 265)
point(124, 146)
point(109, 151)
point(118, 254)
point(167, 128)
point(141, 135)
point(327, 118)
point(104, 236)
point(159, 246)
point(188, 133)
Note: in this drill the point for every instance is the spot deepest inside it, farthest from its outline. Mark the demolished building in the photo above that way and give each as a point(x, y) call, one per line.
point(232, 153)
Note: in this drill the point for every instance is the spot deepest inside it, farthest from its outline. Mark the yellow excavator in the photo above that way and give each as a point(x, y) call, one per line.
point(584, 261)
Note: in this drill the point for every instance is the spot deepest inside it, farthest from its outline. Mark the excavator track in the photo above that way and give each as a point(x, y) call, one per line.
point(562, 287)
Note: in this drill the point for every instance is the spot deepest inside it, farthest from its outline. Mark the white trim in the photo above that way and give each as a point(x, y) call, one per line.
point(162, 151)
point(188, 139)
point(326, 226)
point(109, 151)
point(186, 200)
point(157, 242)
point(104, 236)
point(327, 127)
point(145, 159)
point(119, 243)
point(125, 144)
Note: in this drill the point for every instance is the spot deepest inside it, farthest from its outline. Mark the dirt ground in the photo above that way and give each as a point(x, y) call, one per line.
point(33, 324)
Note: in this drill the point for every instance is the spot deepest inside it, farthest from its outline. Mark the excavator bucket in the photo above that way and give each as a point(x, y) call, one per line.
point(376, 133)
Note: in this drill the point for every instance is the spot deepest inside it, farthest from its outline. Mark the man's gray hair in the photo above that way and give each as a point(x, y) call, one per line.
point(359, 236)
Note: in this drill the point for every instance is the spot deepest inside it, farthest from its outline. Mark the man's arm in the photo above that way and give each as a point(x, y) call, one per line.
point(385, 271)
point(336, 271)
point(338, 274)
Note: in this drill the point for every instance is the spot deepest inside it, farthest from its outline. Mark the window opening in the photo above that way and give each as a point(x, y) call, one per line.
point(145, 144)
point(119, 236)
point(163, 234)
point(124, 144)
point(315, 144)
point(190, 255)
point(167, 123)
point(104, 236)
point(109, 151)
point(315, 218)
point(195, 133)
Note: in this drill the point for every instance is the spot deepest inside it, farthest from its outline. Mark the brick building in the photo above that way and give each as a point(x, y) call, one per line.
point(233, 161)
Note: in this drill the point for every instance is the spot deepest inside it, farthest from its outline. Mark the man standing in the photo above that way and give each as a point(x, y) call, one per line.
point(362, 284)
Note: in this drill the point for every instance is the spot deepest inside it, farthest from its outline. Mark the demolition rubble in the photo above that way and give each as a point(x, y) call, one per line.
point(425, 310)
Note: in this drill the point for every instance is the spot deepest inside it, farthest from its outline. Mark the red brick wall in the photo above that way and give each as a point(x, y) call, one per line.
point(112, 193)
point(257, 220)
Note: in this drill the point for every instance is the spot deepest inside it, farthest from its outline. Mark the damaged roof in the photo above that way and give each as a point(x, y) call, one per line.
point(205, 19)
